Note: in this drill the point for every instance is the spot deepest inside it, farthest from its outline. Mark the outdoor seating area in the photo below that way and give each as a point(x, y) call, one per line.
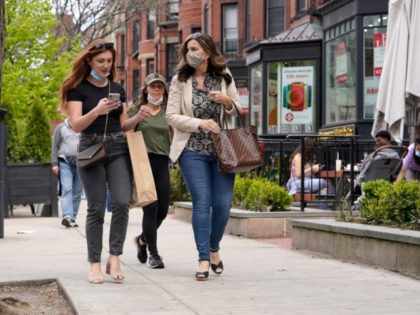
point(341, 157)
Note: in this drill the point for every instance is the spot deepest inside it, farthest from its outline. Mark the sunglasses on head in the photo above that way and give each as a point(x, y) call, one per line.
point(194, 36)
point(102, 46)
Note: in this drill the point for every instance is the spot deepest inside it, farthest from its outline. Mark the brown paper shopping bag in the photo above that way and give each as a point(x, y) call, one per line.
point(144, 191)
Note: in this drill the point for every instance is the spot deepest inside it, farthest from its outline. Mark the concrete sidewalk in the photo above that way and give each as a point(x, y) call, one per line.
point(259, 277)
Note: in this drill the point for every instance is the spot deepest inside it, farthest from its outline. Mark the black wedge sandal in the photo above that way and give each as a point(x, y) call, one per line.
point(202, 275)
point(217, 268)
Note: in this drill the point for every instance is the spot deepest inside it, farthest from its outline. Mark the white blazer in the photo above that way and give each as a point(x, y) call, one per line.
point(179, 113)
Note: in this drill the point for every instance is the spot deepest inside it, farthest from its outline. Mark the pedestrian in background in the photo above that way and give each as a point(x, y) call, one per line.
point(156, 134)
point(411, 163)
point(311, 182)
point(85, 96)
point(383, 150)
point(63, 160)
point(201, 99)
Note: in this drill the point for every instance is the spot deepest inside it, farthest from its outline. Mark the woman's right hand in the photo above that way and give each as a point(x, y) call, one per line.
point(209, 125)
point(143, 113)
point(106, 105)
point(316, 168)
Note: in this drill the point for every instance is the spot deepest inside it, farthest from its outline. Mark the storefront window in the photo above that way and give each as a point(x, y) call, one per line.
point(291, 94)
point(374, 31)
point(255, 97)
point(340, 93)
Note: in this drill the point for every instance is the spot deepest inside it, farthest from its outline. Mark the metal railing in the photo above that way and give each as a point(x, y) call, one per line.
point(349, 149)
point(327, 149)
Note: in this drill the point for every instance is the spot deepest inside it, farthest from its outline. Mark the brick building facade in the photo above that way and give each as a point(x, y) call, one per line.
point(150, 41)
point(261, 41)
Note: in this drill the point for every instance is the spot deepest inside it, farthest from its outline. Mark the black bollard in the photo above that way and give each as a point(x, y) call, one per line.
point(3, 151)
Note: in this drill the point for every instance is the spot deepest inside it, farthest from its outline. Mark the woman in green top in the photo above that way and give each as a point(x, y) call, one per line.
point(150, 111)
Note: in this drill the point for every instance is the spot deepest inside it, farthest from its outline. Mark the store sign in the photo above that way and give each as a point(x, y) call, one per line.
point(243, 93)
point(370, 95)
point(341, 71)
point(379, 42)
point(297, 95)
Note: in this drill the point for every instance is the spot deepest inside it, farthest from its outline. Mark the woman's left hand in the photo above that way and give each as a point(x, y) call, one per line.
point(221, 98)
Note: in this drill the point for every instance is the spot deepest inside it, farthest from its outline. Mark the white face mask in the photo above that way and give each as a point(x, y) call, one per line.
point(154, 101)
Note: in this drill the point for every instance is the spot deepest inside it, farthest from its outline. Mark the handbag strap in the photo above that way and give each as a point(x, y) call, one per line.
point(106, 124)
point(106, 119)
point(241, 122)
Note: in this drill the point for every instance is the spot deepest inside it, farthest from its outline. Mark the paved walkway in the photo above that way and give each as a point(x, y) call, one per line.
point(261, 277)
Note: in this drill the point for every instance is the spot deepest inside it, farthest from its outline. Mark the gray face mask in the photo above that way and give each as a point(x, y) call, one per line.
point(194, 59)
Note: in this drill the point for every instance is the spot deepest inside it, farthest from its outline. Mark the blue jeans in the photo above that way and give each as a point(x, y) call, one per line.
point(317, 185)
point(71, 189)
point(211, 193)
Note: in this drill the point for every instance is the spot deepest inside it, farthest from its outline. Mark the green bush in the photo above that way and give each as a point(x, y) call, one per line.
point(13, 140)
point(37, 141)
point(259, 194)
point(250, 192)
point(397, 204)
point(256, 198)
point(278, 197)
point(403, 203)
point(240, 190)
point(179, 191)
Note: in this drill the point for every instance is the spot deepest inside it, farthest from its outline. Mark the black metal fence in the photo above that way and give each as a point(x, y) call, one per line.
point(327, 150)
point(350, 150)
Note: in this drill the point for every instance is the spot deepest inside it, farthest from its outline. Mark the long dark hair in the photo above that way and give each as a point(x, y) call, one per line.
point(309, 144)
point(216, 62)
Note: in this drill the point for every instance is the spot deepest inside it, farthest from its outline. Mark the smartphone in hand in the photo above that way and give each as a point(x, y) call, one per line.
point(114, 96)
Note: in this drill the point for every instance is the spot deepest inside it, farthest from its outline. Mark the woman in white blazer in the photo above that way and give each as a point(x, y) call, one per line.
point(201, 100)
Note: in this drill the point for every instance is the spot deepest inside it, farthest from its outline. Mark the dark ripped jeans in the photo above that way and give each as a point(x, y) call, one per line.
point(115, 174)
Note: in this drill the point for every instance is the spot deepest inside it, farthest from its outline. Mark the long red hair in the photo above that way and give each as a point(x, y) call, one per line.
point(81, 69)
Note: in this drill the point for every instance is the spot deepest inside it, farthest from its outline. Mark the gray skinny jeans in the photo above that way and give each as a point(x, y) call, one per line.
point(117, 173)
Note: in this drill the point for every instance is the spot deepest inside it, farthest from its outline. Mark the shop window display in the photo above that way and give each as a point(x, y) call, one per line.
point(291, 94)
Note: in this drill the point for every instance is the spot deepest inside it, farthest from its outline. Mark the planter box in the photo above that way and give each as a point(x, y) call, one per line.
point(388, 248)
point(252, 224)
point(29, 183)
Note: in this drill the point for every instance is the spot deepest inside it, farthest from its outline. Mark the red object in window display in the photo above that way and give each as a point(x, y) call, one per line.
point(297, 92)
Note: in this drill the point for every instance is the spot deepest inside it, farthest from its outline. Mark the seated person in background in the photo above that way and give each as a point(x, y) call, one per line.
point(312, 184)
point(411, 163)
point(383, 151)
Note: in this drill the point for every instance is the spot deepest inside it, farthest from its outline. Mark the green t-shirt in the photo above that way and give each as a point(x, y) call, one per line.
point(156, 134)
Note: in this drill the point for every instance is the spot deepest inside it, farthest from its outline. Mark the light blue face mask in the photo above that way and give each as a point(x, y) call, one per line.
point(417, 153)
point(96, 76)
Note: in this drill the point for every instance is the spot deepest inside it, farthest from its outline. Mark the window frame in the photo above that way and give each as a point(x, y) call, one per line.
point(136, 37)
point(341, 73)
point(136, 85)
point(375, 24)
point(171, 65)
point(271, 30)
point(151, 23)
point(172, 15)
point(232, 41)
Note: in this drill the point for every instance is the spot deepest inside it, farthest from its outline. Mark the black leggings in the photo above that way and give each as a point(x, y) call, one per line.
point(156, 212)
